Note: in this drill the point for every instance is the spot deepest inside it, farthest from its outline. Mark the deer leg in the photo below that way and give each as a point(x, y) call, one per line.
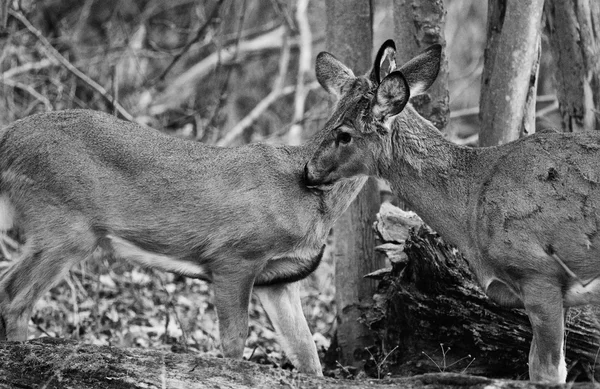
point(544, 306)
point(284, 308)
point(40, 267)
point(232, 297)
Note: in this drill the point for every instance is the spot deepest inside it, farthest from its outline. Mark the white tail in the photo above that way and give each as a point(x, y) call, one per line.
point(74, 182)
point(525, 214)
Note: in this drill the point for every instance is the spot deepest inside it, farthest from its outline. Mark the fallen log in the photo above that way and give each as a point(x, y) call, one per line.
point(54, 363)
point(430, 311)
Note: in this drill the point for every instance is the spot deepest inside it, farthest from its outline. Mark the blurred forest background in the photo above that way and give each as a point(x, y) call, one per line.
point(217, 71)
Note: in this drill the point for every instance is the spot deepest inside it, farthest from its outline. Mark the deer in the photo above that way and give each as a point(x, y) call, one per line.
point(78, 183)
point(525, 214)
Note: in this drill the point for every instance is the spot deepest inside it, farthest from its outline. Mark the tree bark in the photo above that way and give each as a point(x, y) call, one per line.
point(55, 363)
point(349, 38)
point(511, 61)
point(417, 25)
point(430, 307)
point(575, 45)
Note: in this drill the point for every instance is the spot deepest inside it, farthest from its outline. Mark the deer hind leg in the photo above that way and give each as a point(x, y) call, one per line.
point(232, 297)
point(544, 305)
point(284, 308)
point(47, 256)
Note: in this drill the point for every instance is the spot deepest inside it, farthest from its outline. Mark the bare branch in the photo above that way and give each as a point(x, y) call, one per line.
point(225, 85)
point(27, 67)
point(265, 103)
point(4, 4)
point(51, 51)
point(304, 67)
point(179, 90)
point(539, 99)
point(261, 107)
point(211, 20)
point(38, 96)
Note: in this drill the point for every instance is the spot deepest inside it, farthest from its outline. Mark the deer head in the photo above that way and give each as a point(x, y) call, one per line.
point(363, 120)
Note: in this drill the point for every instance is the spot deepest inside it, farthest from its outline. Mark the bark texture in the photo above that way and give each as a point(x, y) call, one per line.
point(417, 25)
point(54, 363)
point(430, 308)
point(349, 38)
point(511, 61)
point(574, 30)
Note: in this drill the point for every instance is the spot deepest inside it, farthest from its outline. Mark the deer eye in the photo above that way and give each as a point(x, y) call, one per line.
point(344, 138)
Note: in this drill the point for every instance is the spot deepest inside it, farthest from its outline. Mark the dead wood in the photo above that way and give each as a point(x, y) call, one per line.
point(429, 305)
point(54, 363)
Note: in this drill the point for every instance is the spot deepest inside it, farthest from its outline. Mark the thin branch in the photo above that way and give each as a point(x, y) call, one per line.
point(178, 89)
point(38, 96)
point(265, 103)
point(212, 19)
point(225, 86)
point(546, 110)
point(464, 112)
point(27, 67)
point(51, 51)
point(261, 107)
point(304, 66)
point(472, 111)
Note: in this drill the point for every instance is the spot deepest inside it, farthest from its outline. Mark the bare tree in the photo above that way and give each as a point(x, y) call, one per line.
point(349, 38)
point(507, 106)
point(575, 45)
point(418, 24)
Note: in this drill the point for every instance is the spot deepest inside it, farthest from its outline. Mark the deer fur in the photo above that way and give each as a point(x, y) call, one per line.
point(524, 214)
point(77, 182)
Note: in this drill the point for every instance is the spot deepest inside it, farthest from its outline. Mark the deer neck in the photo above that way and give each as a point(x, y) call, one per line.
point(432, 175)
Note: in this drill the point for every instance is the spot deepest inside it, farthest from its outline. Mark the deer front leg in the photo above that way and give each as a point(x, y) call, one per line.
point(284, 308)
point(232, 297)
point(544, 306)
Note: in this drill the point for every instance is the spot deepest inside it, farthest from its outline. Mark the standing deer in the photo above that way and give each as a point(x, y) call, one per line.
point(76, 182)
point(524, 214)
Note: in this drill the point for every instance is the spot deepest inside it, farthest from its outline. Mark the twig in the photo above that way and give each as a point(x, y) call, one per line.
point(38, 96)
point(212, 19)
point(177, 90)
point(225, 86)
point(265, 103)
point(27, 67)
point(261, 107)
point(464, 112)
point(472, 111)
point(546, 110)
point(304, 66)
point(50, 50)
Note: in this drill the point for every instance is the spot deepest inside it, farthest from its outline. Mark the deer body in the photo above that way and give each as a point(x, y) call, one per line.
point(516, 211)
point(73, 182)
point(526, 214)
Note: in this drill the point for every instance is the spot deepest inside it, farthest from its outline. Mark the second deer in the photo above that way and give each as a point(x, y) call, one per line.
point(526, 214)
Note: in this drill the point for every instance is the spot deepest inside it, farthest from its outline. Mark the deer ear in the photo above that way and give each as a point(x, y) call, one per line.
point(332, 74)
point(387, 52)
point(421, 71)
point(391, 97)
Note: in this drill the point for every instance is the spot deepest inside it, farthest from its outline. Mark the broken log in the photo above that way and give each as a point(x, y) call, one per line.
point(431, 315)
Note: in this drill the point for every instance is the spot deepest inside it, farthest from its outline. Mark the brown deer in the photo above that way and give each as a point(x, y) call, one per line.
point(525, 214)
point(76, 182)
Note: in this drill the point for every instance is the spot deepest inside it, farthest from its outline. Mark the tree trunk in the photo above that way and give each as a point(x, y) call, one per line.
point(511, 61)
point(349, 38)
point(432, 310)
point(575, 43)
point(418, 24)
